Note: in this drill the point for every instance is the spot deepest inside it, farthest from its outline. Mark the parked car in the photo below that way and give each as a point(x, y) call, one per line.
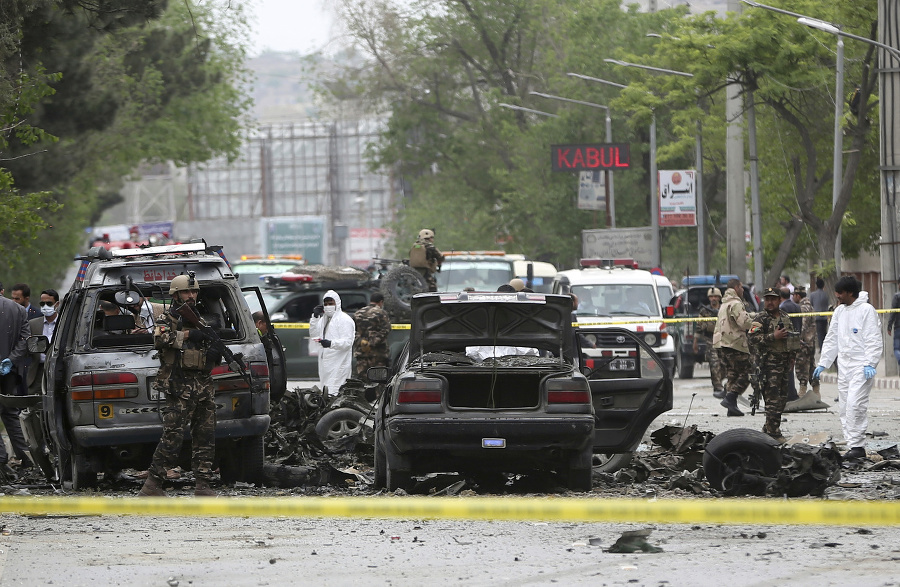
point(253, 269)
point(488, 270)
point(494, 382)
point(98, 410)
point(686, 304)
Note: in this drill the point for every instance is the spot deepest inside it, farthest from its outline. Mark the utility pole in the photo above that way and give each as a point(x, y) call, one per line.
point(736, 207)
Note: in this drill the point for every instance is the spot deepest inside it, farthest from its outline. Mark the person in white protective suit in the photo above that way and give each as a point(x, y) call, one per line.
point(854, 338)
point(331, 332)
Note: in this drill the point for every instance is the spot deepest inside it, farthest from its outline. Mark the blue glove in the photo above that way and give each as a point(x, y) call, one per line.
point(869, 372)
point(818, 372)
point(5, 366)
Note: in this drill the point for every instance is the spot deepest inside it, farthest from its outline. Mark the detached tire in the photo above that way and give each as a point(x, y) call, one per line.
point(398, 287)
point(339, 423)
point(734, 460)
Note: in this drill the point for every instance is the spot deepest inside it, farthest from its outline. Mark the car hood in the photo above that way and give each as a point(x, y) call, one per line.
point(454, 321)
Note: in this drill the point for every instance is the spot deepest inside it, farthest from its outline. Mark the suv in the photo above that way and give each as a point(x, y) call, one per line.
point(99, 411)
point(488, 270)
point(496, 382)
point(615, 291)
point(253, 269)
point(686, 304)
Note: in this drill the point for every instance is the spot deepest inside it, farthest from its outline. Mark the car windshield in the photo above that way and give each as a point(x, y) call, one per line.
point(253, 273)
point(616, 300)
point(480, 275)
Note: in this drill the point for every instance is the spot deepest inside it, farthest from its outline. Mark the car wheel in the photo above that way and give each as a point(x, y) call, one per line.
point(735, 461)
point(339, 423)
point(380, 468)
point(244, 462)
point(610, 462)
point(396, 479)
point(683, 365)
point(580, 473)
point(398, 286)
point(81, 475)
point(64, 467)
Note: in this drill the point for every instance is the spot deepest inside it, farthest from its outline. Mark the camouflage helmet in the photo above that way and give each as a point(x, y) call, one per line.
point(183, 283)
point(426, 234)
point(714, 291)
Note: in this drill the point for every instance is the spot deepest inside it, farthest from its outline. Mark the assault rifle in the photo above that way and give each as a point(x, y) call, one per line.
point(235, 360)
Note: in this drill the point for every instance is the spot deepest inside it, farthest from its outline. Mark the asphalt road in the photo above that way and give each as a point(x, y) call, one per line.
point(154, 551)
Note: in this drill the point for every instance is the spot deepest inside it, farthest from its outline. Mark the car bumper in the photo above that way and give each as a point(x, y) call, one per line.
point(460, 436)
point(92, 436)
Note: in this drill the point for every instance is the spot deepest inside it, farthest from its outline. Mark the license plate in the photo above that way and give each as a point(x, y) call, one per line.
point(493, 443)
point(622, 365)
point(154, 395)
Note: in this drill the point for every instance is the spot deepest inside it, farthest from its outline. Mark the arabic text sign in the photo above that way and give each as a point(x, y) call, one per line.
point(590, 157)
point(619, 243)
point(592, 190)
point(677, 198)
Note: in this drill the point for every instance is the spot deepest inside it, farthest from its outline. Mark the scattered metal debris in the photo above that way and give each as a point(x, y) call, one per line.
point(634, 541)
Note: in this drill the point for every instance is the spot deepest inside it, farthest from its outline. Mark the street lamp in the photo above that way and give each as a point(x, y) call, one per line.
point(701, 228)
point(609, 175)
point(523, 109)
point(654, 205)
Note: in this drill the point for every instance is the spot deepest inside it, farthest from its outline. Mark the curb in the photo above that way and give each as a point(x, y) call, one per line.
point(880, 382)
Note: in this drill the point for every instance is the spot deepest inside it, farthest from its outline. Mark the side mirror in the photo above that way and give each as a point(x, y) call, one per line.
point(37, 344)
point(377, 374)
point(669, 311)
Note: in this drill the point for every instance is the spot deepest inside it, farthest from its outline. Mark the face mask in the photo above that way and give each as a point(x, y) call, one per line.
point(330, 310)
point(48, 311)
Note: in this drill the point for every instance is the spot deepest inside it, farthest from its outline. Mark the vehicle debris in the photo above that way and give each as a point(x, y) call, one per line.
point(634, 541)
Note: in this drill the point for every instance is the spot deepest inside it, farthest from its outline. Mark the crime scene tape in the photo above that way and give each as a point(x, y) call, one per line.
point(664, 511)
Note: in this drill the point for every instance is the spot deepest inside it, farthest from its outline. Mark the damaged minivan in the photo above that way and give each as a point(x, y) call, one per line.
point(497, 382)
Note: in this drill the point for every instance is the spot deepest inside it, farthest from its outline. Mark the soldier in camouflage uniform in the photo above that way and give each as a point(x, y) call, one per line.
point(704, 332)
point(372, 329)
point(806, 356)
point(184, 377)
point(730, 341)
point(425, 258)
point(776, 343)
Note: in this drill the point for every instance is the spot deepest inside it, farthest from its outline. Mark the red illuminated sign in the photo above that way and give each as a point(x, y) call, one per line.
point(590, 157)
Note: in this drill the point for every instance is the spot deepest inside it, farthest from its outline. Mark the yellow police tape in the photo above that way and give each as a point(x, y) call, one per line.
point(665, 511)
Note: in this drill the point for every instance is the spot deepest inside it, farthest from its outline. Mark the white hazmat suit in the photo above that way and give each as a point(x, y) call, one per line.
point(334, 361)
point(854, 338)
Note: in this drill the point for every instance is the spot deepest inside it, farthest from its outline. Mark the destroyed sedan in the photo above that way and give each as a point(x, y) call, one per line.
point(495, 382)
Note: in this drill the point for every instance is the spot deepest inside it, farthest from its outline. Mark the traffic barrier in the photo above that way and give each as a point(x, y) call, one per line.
point(663, 511)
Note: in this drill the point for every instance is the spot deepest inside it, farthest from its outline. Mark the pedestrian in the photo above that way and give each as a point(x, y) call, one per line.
point(806, 355)
point(894, 322)
point(776, 342)
point(854, 339)
point(425, 258)
point(13, 332)
point(372, 329)
point(184, 379)
point(46, 326)
point(785, 281)
point(704, 333)
point(331, 333)
point(819, 300)
point(21, 294)
point(788, 305)
point(730, 341)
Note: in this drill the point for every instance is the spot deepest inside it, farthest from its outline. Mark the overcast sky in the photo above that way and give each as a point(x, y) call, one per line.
point(292, 25)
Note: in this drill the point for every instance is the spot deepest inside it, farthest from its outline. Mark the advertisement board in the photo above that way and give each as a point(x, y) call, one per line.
point(365, 244)
point(592, 190)
point(677, 198)
point(619, 243)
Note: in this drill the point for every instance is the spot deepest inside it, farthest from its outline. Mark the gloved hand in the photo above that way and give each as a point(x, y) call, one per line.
point(5, 366)
point(869, 372)
point(325, 343)
point(318, 311)
point(194, 335)
point(818, 372)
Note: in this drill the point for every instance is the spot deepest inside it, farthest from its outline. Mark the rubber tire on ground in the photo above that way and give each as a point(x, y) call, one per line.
point(398, 287)
point(80, 475)
point(396, 479)
point(380, 468)
point(245, 461)
point(580, 475)
point(684, 368)
point(338, 423)
point(63, 466)
point(612, 462)
point(741, 449)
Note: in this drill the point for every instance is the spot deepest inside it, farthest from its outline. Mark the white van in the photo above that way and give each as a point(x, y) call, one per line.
point(488, 270)
point(612, 292)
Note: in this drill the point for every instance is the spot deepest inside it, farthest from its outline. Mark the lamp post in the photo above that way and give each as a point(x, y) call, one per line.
point(701, 228)
point(523, 109)
point(654, 204)
point(609, 175)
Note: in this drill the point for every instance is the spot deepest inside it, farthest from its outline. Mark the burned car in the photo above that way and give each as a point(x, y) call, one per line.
point(495, 382)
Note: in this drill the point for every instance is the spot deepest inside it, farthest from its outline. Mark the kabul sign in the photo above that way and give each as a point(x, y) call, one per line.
point(590, 157)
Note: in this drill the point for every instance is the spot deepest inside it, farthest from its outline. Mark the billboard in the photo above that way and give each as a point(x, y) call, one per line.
point(292, 235)
point(592, 190)
point(677, 198)
point(365, 244)
point(619, 243)
point(590, 157)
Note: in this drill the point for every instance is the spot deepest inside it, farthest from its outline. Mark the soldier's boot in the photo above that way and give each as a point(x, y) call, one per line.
point(730, 402)
point(202, 489)
point(776, 436)
point(811, 401)
point(153, 487)
point(801, 391)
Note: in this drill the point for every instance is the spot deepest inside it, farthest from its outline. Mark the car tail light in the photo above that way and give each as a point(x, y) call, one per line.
point(568, 391)
point(663, 333)
point(420, 391)
point(84, 386)
point(259, 370)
